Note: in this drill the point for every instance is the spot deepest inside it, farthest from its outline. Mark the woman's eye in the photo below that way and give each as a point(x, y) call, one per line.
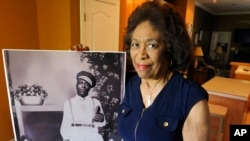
point(152, 45)
point(135, 45)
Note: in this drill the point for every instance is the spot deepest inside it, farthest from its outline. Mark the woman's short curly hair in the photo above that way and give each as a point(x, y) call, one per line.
point(172, 29)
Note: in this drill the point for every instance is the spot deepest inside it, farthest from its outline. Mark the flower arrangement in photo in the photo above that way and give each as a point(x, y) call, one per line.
point(33, 90)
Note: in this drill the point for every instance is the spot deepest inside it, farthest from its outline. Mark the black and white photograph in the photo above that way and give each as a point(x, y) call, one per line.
point(64, 95)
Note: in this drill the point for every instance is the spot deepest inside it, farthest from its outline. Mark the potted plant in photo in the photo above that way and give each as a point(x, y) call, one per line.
point(30, 95)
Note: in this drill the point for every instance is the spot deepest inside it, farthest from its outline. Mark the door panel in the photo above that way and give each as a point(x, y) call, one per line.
point(101, 24)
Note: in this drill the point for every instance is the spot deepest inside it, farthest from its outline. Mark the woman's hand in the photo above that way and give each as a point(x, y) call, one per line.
point(79, 47)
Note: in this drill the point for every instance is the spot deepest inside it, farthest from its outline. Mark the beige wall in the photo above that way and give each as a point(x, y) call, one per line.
point(186, 8)
point(54, 24)
point(126, 8)
point(189, 18)
point(18, 29)
point(18, 24)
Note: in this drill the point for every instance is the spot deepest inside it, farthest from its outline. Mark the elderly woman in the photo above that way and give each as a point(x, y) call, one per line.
point(160, 104)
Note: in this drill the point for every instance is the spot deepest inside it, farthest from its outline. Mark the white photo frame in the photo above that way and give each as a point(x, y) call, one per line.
point(55, 73)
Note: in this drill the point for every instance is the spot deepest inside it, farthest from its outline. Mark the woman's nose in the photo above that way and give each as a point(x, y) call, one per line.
point(142, 52)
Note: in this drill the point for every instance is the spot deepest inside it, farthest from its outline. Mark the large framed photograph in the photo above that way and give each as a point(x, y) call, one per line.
point(64, 95)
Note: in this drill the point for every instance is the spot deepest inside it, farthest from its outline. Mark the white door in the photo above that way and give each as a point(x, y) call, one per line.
point(100, 24)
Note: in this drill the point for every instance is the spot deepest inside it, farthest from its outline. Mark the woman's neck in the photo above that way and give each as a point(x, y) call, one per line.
point(152, 82)
point(150, 88)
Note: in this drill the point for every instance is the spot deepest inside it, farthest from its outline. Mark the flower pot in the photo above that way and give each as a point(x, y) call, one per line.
point(31, 100)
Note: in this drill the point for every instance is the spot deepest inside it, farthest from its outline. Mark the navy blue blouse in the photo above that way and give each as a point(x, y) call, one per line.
point(164, 119)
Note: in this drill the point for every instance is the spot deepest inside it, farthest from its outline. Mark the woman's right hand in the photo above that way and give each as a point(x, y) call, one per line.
point(79, 47)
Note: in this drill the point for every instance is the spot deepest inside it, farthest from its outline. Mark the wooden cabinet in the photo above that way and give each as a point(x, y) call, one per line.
point(233, 94)
point(243, 73)
point(234, 66)
point(198, 75)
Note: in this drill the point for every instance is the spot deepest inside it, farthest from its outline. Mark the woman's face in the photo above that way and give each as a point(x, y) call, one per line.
point(148, 52)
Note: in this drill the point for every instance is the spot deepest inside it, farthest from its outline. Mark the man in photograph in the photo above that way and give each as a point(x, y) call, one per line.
point(82, 115)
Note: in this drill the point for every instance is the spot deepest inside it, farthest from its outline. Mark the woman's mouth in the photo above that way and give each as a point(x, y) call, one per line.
point(142, 67)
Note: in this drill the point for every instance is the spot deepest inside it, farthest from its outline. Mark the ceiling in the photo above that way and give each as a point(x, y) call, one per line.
point(224, 7)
